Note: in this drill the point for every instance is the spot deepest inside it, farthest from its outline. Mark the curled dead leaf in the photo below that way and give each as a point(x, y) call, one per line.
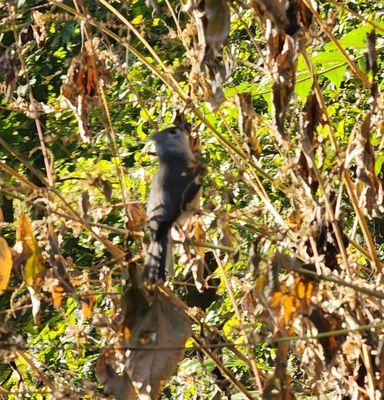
point(8, 72)
point(137, 217)
point(81, 89)
point(87, 304)
point(156, 340)
point(248, 122)
point(368, 185)
point(5, 264)
point(210, 28)
point(57, 293)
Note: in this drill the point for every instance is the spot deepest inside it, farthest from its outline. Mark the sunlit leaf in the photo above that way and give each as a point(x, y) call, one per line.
point(5, 264)
point(33, 267)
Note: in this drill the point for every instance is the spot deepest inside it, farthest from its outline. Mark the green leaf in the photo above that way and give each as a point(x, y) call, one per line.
point(303, 89)
point(337, 75)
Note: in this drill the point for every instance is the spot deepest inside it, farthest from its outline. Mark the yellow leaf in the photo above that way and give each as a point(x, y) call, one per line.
point(301, 289)
point(5, 264)
point(288, 308)
point(87, 305)
point(57, 293)
point(137, 20)
point(33, 268)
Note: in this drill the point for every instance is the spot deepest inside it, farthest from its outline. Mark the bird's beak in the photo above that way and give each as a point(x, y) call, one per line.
point(149, 147)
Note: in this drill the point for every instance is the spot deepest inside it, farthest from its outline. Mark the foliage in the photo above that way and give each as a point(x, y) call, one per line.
point(277, 289)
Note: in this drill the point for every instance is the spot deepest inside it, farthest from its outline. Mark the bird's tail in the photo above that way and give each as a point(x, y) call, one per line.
point(158, 258)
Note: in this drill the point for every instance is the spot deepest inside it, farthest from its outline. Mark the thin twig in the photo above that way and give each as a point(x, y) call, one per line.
point(240, 320)
point(347, 178)
point(355, 14)
point(223, 368)
point(325, 28)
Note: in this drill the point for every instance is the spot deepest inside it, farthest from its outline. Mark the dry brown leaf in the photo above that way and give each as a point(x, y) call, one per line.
point(57, 293)
point(274, 10)
point(285, 306)
point(85, 203)
point(326, 249)
point(39, 31)
point(365, 161)
point(294, 295)
point(311, 118)
point(196, 257)
point(291, 16)
point(194, 297)
point(325, 323)
point(247, 123)
point(87, 304)
point(157, 333)
point(8, 71)
point(137, 217)
point(282, 63)
point(288, 23)
point(210, 28)
point(81, 89)
point(118, 385)
point(5, 264)
point(192, 257)
point(161, 333)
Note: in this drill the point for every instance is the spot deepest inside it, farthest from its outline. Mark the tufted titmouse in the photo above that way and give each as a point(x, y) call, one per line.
point(175, 193)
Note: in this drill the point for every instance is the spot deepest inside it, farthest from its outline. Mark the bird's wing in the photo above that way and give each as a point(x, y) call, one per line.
point(172, 187)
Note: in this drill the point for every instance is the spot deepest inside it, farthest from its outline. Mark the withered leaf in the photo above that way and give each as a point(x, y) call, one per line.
point(193, 257)
point(36, 303)
point(326, 323)
point(274, 10)
point(85, 203)
point(248, 122)
point(211, 25)
point(216, 21)
point(288, 22)
point(291, 16)
point(5, 264)
point(137, 217)
point(118, 385)
point(57, 292)
point(81, 89)
point(283, 63)
point(365, 162)
point(104, 185)
point(8, 71)
point(33, 267)
point(31, 258)
point(39, 31)
point(161, 333)
point(311, 119)
point(87, 304)
point(204, 299)
point(325, 239)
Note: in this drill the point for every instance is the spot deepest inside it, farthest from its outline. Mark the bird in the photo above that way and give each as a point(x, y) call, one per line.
point(174, 196)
